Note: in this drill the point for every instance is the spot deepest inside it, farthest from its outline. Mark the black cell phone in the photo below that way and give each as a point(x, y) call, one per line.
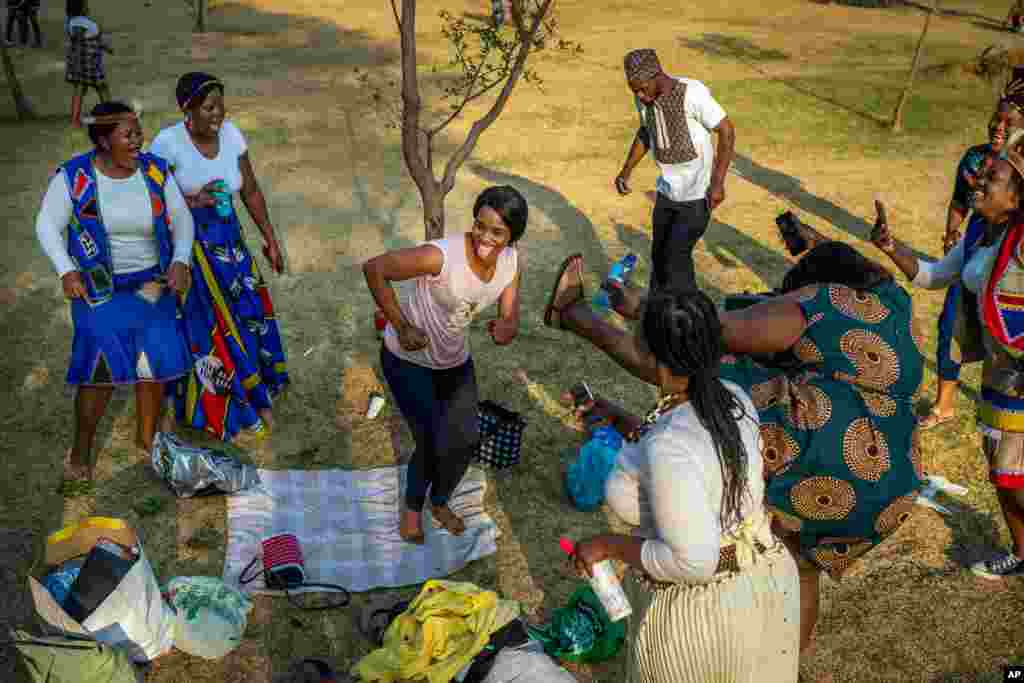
point(789, 229)
point(581, 394)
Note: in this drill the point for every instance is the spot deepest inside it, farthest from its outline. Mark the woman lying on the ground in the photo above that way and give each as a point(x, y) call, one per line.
point(425, 356)
point(991, 270)
point(837, 423)
point(120, 268)
point(712, 589)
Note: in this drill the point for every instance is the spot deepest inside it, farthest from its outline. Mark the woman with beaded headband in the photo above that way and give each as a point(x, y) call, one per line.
point(712, 589)
point(120, 268)
point(832, 368)
point(993, 271)
point(1008, 115)
point(229, 318)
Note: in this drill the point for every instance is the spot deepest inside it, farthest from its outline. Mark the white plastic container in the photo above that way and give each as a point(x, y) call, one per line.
point(608, 588)
point(606, 585)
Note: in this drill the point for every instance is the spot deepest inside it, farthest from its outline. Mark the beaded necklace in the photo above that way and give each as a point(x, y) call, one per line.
point(664, 404)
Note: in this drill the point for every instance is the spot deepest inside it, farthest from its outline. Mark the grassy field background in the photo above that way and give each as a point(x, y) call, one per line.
point(808, 86)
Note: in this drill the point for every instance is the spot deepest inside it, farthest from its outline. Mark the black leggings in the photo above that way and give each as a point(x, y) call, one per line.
point(678, 226)
point(441, 409)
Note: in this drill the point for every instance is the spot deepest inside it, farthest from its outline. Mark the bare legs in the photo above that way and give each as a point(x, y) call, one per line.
point(1013, 512)
point(577, 318)
point(102, 91)
point(90, 407)
point(148, 402)
point(945, 398)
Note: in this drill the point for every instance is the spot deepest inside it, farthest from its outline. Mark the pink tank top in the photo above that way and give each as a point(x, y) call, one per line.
point(445, 305)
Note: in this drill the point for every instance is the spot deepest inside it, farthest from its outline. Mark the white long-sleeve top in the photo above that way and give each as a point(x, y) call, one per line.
point(670, 485)
point(951, 267)
point(127, 216)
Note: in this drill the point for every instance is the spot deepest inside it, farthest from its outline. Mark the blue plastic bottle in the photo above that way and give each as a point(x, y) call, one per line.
point(223, 198)
point(619, 271)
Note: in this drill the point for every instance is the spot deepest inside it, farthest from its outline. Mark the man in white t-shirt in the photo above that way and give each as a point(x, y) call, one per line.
point(677, 117)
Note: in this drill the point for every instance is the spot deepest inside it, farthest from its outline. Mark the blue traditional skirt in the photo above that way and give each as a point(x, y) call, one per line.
point(229, 323)
point(128, 338)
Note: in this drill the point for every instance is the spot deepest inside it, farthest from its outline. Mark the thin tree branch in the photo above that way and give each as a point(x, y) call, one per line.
point(394, 11)
point(465, 100)
point(480, 125)
point(414, 159)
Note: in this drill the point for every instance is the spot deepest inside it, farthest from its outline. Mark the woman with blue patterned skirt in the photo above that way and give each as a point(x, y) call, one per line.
point(229, 318)
point(128, 244)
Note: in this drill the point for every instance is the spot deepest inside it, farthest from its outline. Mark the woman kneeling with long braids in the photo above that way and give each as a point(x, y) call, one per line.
point(712, 589)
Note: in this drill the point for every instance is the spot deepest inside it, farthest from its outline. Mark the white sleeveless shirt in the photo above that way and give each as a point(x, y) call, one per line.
point(443, 306)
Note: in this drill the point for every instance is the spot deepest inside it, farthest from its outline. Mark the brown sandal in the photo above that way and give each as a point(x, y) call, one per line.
point(551, 311)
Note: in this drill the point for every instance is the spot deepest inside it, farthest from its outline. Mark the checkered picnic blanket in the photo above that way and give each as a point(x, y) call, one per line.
point(347, 524)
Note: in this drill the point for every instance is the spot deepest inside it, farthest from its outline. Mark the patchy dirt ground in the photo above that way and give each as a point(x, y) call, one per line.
point(808, 86)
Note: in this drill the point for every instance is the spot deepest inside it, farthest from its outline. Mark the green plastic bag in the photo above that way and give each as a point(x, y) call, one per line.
point(65, 659)
point(581, 631)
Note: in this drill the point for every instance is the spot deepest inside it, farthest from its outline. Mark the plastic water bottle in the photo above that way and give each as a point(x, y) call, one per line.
point(222, 198)
point(606, 585)
point(619, 271)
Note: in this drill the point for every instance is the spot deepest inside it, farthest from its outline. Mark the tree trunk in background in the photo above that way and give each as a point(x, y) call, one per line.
point(897, 117)
point(433, 212)
point(21, 103)
point(200, 26)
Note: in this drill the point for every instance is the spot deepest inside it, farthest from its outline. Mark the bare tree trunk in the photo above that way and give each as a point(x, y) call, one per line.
point(897, 117)
point(21, 103)
point(433, 213)
point(200, 26)
point(417, 143)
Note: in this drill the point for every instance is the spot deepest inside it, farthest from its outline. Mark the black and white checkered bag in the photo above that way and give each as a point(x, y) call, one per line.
point(501, 433)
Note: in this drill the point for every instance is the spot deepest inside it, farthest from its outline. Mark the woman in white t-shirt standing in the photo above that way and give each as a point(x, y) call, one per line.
point(229, 318)
point(425, 356)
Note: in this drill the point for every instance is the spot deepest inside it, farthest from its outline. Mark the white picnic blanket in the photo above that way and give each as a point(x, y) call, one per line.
point(347, 524)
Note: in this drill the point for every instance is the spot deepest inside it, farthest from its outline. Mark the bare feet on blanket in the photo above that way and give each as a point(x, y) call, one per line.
point(448, 519)
point(410, 527)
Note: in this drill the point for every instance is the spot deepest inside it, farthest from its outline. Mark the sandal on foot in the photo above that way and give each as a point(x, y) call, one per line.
point(552, 313)
point(934, 419)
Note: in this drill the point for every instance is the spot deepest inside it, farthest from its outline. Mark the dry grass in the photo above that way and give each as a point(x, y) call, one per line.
point(807, 86)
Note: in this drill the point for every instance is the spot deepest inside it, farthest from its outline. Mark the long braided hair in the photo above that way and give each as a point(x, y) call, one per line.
point(682, 330)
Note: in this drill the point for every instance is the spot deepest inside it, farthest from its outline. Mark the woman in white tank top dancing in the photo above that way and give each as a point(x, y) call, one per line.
point(425, 357)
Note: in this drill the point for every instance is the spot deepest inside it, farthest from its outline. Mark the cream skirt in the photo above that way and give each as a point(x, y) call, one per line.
point(741, 628)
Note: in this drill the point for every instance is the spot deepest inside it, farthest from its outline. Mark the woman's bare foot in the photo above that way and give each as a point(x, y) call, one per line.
point(410, 527)
point(77, 477)
point(568, 290)
point(448, 519)
point(268, 417)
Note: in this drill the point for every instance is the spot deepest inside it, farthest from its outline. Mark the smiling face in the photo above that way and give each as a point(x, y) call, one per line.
point(208, 115)
point(998, 192)
point(1005, 118)
point(646, 91)
point(490, 234)
point(124, 143)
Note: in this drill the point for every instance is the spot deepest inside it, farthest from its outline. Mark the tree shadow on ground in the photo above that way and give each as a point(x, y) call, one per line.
point(748, 53)
point(975, 533)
